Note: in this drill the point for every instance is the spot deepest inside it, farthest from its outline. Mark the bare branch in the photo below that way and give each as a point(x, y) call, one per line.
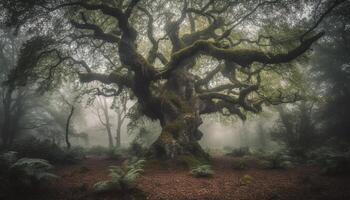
point(335, 4)
point(130, 8)
point(209, 76)
point(172, 29)
point(98, 32)
point(153, 52)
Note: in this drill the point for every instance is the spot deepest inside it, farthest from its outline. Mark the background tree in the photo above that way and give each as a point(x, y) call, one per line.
point(296, 127)
point(101, 110)
point(262, 136)
point(120, 105)
point(53, 111)
point(17, 98)
point(69, 118)
point(331, 71)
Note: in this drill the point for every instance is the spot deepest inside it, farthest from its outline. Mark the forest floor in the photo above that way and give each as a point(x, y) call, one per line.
point(174, 182)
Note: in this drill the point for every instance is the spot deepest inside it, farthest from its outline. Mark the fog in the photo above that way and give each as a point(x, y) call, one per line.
point(182, 99)
point(217, 135)
point(308, 79)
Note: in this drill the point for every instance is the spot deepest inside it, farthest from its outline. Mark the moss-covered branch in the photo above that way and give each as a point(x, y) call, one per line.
point(120, 80)
point(211, 106)
point(243, 57)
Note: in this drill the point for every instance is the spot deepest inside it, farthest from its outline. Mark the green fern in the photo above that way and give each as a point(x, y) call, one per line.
point(122, 177)
point(32, 171)
point(202, 171)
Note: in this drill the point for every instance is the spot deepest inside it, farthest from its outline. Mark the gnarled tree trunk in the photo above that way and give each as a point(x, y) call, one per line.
point(180, 119)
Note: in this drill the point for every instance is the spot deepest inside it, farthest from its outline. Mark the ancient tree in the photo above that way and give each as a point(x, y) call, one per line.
point(196, 61)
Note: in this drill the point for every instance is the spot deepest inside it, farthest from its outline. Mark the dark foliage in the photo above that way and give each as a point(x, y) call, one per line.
point(45, 149)
point(331, 66)
point(296, 129)
point(23, 174)
point(332, 162)
point(137, 149)
point(239, 152)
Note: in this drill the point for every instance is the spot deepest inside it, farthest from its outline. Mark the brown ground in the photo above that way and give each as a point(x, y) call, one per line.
point(175, 182)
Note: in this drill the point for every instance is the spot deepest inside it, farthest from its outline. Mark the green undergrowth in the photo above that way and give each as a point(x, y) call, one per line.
point(122, 178)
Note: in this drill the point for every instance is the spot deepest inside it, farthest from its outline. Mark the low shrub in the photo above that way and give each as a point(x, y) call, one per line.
point(44, 149)
point(275, 160)
point(239, 152)
point(278, 159)
point(35, 148)
point(331, 161)
point(31, 171)
point(98, 150)
point(136, 149)
point(115, 153)
point(240, 164)
point(74, 155)
point(202, 171)
point(23, 173)
point(263, 164)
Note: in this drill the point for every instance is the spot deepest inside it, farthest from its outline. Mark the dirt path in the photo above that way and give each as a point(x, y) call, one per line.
point(176, 183)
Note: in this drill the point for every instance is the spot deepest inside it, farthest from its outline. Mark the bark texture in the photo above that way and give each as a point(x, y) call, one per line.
point(180, 118)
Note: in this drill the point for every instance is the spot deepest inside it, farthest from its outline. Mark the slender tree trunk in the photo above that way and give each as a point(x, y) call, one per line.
point(261, 135)
point(110, 137)
point(7, 123)
point(121, 111)
point(287, 123)
point(104, 119)
point(67, 126)
point(107, 123)
point(118, 131)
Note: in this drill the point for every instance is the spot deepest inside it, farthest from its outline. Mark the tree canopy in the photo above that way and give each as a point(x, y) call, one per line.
point(179, 59)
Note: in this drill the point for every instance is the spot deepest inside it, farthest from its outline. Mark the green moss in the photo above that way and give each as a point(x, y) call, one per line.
point(166, 137)
point(246, 180)
point(174, 127)
point(174, 99)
